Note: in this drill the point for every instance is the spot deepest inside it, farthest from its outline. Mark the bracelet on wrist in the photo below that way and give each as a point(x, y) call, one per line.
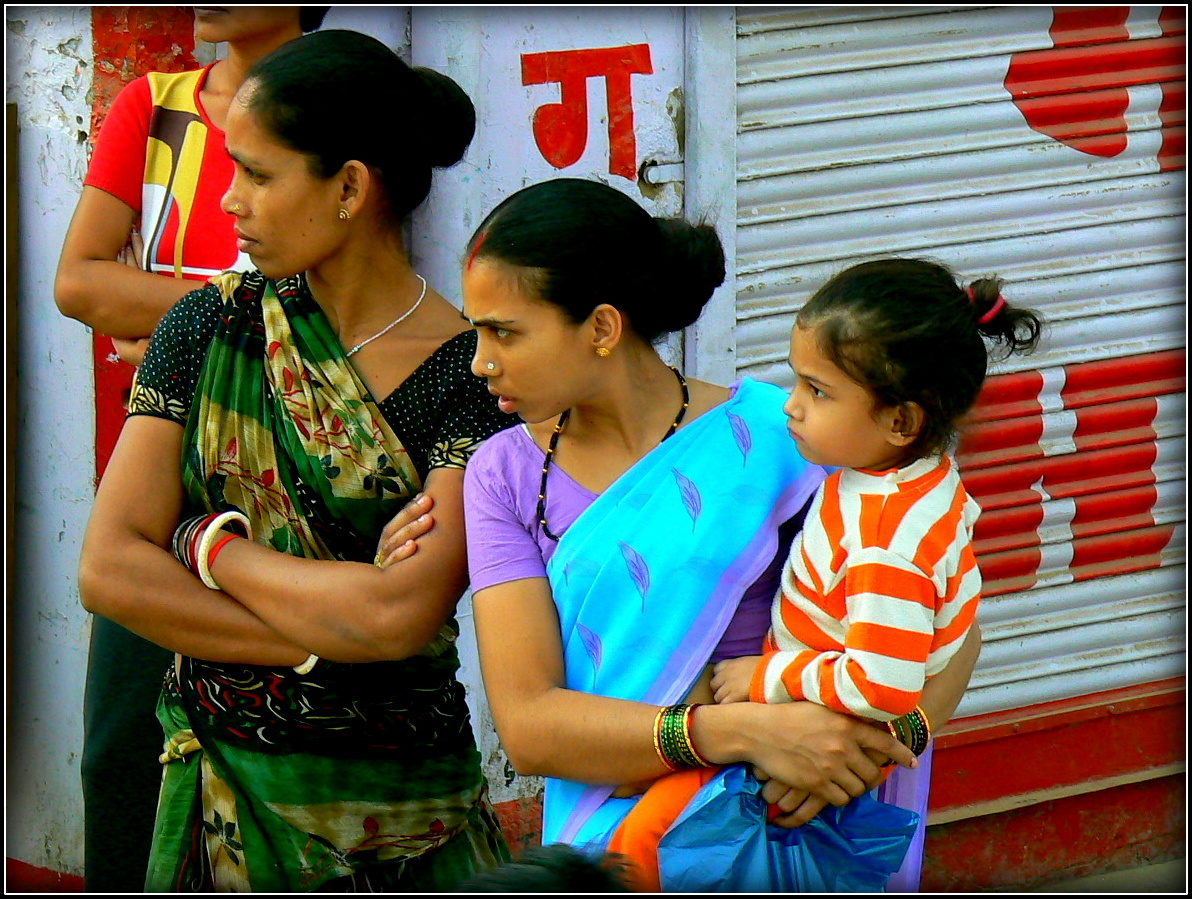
point(197, 541)
point(912, 730)
point(308, 666)
point(672, 738)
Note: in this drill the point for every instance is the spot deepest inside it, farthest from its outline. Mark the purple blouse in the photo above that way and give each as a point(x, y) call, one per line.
point(506, 543)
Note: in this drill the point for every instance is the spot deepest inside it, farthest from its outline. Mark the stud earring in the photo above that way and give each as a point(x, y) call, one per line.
point(344, 215)
point(603, 352)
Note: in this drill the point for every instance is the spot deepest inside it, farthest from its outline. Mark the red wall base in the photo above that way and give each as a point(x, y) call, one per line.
point(22, 878)
point(1093, 833)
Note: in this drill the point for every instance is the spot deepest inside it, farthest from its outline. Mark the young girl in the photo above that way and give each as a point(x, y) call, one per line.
point(881, 586)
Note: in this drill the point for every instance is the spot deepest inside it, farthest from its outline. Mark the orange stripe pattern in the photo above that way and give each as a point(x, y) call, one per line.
point(879, 591)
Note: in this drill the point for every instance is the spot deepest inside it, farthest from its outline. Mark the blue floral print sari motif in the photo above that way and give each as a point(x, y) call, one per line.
point(647, 579)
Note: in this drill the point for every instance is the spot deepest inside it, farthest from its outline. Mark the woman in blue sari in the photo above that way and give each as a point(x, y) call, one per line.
point(631, 532)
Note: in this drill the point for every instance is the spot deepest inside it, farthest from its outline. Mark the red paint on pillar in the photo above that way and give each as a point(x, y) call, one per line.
point(128, 41)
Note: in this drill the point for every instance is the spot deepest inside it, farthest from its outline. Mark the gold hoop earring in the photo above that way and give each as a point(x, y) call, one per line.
point(344, 215)
point(603, 352)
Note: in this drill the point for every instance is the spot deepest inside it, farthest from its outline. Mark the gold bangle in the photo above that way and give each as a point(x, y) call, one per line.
point(695, 755)
point(658, 740)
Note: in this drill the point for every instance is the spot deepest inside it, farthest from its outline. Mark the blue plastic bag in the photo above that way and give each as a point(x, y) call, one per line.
point(721, 843)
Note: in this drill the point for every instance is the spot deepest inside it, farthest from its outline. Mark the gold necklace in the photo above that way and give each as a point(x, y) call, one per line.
point(554, 443)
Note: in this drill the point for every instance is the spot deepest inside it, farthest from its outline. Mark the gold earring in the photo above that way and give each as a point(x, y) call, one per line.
point(344, 215)
point(603, 352)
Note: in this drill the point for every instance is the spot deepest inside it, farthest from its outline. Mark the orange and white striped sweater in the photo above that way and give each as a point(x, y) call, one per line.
point(878, 594)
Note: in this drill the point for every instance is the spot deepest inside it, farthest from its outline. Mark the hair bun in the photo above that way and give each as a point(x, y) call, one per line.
point(692, 268)
point(450, 118)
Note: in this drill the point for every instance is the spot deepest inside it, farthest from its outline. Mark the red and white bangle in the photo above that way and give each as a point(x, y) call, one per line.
point(212, 536)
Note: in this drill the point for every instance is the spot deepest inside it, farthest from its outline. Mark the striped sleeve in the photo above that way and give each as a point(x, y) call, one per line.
point(880, 672)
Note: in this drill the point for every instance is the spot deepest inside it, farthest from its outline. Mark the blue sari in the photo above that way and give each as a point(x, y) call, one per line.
point(647, 579)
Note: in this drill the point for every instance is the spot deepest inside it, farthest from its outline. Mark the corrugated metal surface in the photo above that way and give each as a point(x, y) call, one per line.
point(1046, 146)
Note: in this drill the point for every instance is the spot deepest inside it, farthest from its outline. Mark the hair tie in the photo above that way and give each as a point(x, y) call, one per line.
point(991, 313)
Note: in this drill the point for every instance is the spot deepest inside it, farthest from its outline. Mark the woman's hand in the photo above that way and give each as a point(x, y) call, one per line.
point(399, 539)
point(732, 678)
point(805, 746)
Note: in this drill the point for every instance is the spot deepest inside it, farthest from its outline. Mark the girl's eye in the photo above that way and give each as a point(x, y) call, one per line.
point(816, 392)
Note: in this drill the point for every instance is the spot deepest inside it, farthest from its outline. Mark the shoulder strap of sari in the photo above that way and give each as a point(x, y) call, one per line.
point(647, 579)
point(284, 430)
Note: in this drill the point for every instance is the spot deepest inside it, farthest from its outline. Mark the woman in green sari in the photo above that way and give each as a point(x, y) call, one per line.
point(316, 737)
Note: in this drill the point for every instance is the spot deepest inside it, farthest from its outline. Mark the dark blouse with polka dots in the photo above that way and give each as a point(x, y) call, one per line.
point(441, 413)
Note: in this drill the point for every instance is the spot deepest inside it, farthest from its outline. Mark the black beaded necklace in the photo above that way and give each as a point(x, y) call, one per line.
point(554, 443)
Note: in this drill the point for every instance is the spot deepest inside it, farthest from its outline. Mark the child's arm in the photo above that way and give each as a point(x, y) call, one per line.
point(879, 674)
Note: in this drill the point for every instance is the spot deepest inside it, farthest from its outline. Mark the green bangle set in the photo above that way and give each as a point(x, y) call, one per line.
point(672, 738)
point(912, 730)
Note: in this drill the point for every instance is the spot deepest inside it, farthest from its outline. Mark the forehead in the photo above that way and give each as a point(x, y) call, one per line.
point(490, 286)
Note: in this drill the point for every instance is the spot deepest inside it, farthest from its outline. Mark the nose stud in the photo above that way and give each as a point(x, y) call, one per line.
point(491, 366)
point(237, 209)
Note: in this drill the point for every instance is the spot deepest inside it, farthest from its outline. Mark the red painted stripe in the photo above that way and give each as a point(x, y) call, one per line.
point(20, 877)
point(1043, 747)
point(1002, 529)
point(1173, 19)
point(1074, 26)
point(1075, 474)
point(1030, 848)
point(1039, 73)
point(1008, 396)
point(1110, 380)
point(1119, 553)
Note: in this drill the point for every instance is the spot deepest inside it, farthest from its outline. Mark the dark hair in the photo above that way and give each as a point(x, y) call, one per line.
point(557, 868)
point(310, 18)
point(340, 95)
point(582, 243)
point(905, 329)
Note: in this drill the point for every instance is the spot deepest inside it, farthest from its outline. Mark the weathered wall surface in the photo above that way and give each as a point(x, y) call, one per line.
point(49, 78)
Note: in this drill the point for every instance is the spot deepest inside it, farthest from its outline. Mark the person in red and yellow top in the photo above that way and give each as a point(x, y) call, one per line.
point(155, 180)
point(880, 589)
point(150, 206)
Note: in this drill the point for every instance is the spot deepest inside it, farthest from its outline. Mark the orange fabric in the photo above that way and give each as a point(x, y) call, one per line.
point(637, 836)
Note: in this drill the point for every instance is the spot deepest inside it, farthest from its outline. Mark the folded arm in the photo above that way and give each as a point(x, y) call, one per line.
point(95, 287)
point(351, 611)
point(128, 573)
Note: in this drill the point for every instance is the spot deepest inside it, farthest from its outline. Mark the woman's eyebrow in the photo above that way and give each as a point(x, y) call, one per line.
point(486, 322)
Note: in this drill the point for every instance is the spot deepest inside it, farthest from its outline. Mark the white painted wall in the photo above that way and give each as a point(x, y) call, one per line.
point(48, 76)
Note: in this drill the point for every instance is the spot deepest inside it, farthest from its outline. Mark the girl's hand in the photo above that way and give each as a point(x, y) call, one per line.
point(731, 678)
point(399, 539)
point(130, 351)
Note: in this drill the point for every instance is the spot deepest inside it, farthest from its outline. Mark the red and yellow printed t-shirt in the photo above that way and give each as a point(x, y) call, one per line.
point(159, 153)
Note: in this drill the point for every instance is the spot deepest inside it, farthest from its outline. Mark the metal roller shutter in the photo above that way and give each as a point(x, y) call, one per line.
point(1045, 146)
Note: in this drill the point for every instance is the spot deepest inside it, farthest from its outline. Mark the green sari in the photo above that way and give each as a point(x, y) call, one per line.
point(352, 776)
